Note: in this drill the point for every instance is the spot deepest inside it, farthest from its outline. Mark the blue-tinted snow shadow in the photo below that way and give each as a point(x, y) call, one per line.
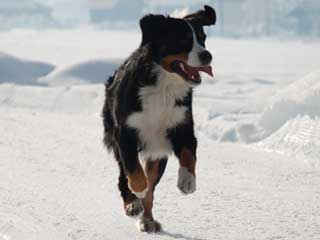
point(179, 236)
point(22, 72)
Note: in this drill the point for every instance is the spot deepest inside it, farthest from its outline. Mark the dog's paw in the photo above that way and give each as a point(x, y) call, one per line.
point(186, 181)
point(149, 225)
point(134, 208)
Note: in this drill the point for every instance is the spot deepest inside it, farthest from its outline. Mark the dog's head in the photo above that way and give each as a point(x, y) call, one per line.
point(178, 45)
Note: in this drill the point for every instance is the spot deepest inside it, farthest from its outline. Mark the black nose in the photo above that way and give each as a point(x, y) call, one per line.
point(205, 57)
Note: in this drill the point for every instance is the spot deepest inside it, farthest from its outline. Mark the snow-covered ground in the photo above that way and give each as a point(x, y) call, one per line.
point(258, 124)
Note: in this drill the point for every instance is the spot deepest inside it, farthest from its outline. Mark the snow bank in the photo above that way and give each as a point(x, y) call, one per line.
point(94, 71)
point(66, 47)
point(299, 137)
point(82, 99)
point(292, 122)
point(300, 98)
point(18, 71)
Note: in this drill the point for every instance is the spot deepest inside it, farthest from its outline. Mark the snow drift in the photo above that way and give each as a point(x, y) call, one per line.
point(291, 124)
point(18, 71)
point(94, 71)
point(300, 98)
point(24, 72)
point(76, 99)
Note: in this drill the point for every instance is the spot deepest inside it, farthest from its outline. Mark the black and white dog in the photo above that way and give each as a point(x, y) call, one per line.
point(147, 113)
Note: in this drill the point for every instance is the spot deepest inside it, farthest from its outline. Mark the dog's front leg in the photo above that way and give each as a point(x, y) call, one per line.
point(185, 147)
point(137, 181)
point(187, 176)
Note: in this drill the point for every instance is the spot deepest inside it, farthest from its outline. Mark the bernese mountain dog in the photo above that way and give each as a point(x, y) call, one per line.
point(147, 113)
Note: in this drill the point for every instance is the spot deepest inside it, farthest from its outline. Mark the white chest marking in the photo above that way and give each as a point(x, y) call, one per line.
point(159, 113)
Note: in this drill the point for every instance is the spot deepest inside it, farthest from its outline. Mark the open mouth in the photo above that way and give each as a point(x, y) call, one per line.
point(189, 73)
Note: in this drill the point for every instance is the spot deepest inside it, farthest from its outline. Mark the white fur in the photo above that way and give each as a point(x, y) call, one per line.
point(193, 57)
point(140, 195)
point(159, 113)
point(186, 181)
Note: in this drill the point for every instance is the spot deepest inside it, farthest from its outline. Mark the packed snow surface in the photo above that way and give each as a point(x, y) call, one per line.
point(57, 181)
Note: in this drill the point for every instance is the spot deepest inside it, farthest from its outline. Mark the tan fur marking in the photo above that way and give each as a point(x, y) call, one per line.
point(188, 161)
point(165, 63)
point(137, 181)
point(152, 171)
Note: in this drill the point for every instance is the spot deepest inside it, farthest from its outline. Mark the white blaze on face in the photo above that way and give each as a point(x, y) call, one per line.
point(193, 57)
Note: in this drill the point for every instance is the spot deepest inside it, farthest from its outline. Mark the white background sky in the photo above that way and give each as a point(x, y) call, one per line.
point(69, 9)
point(241, 18)
point(78, 10)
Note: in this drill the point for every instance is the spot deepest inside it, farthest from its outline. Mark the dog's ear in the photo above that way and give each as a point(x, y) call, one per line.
point(151, 26)
point(205, 17)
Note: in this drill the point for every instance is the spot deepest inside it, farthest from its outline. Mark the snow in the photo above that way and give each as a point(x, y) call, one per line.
point(93, 71)
point(70, 99)
point(300, 98)
point(257, 125)
point(296, 128)
point(67, 47)
point(21, 71)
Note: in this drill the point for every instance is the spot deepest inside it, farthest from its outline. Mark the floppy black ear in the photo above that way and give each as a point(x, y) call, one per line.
point(205, 17)
point(151, 26)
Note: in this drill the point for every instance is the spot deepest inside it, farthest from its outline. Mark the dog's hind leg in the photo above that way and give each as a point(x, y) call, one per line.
point(132, 205)
point(154, 171)
point(128, 152)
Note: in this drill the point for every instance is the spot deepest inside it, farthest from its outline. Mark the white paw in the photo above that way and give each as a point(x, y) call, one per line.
point(186, 181)
point(140, 194)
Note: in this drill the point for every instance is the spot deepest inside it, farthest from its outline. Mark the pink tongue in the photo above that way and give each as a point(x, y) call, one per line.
point(206, 69)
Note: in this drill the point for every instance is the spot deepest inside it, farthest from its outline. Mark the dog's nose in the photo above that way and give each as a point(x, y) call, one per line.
point(205, 57)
